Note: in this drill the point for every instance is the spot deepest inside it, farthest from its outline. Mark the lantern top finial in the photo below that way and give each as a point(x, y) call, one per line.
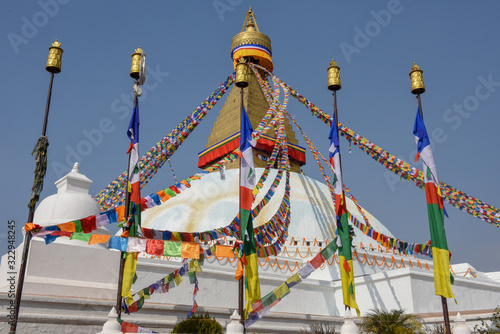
point(415, 67)
point(56, 44)
point(333, 63)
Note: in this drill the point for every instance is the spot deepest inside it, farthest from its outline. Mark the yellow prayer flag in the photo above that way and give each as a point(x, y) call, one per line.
point(178, 279)
point(128, 276)
point(282, 291)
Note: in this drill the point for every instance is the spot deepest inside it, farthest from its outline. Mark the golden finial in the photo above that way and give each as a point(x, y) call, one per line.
point(135, 68)
point(334, 76)
point(249, 22)
point(241, 44)
point(55, 58)
point(417, 80)
point(242, 70)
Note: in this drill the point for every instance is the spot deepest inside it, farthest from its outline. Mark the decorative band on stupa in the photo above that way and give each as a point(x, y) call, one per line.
point(264, 143)
point(252, 44)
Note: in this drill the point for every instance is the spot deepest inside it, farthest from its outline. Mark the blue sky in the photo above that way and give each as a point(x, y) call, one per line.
point(187, 45)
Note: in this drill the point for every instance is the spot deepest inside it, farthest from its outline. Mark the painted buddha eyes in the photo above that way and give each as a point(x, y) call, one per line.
point(262, 157)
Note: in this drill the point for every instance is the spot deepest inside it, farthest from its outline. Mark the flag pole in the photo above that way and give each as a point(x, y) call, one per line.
point(241, 81)
point(417, 88)
point(137, 72)
point(53, 66)
point(118, 305)
point(335, 85)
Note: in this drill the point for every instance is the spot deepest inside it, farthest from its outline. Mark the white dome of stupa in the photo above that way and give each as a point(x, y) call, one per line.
point(72, 201)
point(212, 202)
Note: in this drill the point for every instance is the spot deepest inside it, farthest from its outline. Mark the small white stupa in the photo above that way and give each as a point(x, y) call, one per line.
point(72, 200)
point(68, 268)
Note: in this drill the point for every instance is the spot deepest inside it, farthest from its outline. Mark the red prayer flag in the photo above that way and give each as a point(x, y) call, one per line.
point(88, 224)
point(155, 247)
point(317, 261)
point(148, 233)
point(129, 328)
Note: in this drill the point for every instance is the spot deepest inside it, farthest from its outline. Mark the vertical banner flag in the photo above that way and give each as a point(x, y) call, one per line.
point(435, 210)
point(344, 237)
point(134, 217)
point(134, 182)
point(248, 181)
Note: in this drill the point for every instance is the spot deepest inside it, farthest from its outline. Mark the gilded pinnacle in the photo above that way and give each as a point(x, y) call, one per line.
point(333, 63)
point(56, 44)
point(417, 80)
point(243, 44)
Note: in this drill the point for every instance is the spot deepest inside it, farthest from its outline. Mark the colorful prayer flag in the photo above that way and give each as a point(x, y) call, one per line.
point(344, 237)
point(134, 210)
point(248, 181)
point(134, 182)
point(435, 211)
point(129, 268)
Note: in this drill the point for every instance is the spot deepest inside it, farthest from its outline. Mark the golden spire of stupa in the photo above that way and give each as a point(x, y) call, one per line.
point(251, 43)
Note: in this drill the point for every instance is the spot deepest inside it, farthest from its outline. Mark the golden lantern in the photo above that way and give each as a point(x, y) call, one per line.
point(417, 80)
point(242, 70)
point(55, 58)
point(135, 68)
point(334, 77)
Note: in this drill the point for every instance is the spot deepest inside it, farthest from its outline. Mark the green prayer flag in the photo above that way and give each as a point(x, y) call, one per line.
point(140, 303)
point(170, 192)
point(80, 236)
point(330, 249)
point(78, 226)
point(269, 299)
point(172, 249)
point(192, 276)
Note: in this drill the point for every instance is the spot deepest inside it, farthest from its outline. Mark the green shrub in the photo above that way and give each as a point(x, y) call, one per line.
point(392, 322)
point(495, 323)
point(319, 328)
point(198, 324)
